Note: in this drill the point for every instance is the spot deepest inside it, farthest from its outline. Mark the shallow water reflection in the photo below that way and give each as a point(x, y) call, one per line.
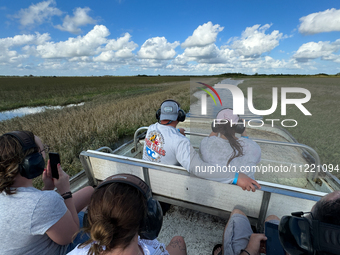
point(5, 115)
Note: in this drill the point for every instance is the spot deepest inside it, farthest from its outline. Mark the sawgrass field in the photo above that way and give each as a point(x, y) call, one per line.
point(320, 130)
point(116, 106)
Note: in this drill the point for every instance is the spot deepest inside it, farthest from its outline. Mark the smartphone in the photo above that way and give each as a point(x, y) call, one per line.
point(54, 161)
point(273, 245)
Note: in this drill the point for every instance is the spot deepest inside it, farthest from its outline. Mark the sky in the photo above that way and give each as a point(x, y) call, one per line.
point(177, 37)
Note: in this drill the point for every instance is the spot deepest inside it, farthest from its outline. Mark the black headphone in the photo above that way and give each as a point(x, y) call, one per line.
point(181, 114)
point(33, 165)
point(239, 126)
point(300, 235)
point(152, 224)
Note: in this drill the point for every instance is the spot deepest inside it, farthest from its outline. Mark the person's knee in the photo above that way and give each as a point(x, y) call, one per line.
point(179, 242)
point(272, 217)
point(178, 239)
point(237, 211)
point(89, 189)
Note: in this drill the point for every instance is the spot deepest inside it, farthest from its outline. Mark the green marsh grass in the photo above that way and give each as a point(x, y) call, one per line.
point(17, 92)
point(321, 130)
point(103, 119)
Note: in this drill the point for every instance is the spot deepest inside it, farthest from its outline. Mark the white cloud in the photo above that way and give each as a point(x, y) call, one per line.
point(157, 48)
point(19, 40)
point(209, 51)
point(76, 47)
point(121, 43)
point(254, 41)
point(8, 55)
point(251, 45)
point(38, 13)
point(117, 50)
point(80, 18)
point(319, 22)
point(313, 50)
point(203, 35)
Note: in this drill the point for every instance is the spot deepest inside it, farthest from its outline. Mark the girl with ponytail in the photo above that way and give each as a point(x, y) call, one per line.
point(239, 155)
point(115, 215)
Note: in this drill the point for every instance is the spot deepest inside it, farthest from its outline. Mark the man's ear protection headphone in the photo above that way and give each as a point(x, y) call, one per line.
point(33, 165)
point(301, 235)
point(181, 114)
point(152, 224)
point(239, 126)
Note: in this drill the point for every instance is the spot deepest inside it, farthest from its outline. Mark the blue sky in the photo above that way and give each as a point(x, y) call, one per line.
point(169, 37)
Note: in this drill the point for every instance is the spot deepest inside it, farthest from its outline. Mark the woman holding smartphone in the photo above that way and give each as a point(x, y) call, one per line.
point(35, 221)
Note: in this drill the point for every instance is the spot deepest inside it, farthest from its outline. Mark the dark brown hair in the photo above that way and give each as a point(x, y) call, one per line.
point(11, 155)
point(229, 131)
point(327, 211)
point(115, 214)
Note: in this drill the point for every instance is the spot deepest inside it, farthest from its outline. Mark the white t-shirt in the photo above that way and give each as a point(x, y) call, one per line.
point(218, 150)
point(165, 144)
point(149, 247)
point(24, 219)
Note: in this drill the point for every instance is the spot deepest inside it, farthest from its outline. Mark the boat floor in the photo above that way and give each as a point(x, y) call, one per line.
point(201, 231)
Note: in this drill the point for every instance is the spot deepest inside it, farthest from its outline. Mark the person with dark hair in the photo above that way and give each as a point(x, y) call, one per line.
point(327, 210)
point(240, 155)
point(34, 221)
point(117, 215)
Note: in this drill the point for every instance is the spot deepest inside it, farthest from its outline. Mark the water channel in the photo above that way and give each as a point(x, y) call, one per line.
point(20, 112)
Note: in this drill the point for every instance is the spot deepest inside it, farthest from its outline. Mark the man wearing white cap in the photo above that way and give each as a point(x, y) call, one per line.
point(164, 143)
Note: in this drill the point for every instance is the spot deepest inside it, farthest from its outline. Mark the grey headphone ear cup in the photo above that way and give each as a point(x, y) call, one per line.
point(32, 166)
point(240, 127)
point(152, 224)
point(158, 114)
point(181, 115)
point(214, 129)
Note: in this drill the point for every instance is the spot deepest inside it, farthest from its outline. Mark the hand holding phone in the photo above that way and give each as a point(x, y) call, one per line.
point(54, 161)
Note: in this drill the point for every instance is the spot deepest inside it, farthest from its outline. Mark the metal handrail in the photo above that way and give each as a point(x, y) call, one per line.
point(135, 136)
point(105, 148)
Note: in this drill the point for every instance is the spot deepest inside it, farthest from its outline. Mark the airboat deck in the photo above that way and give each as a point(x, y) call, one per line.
point(201, 207)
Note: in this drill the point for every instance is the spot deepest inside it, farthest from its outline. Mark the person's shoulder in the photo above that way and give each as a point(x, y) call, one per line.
point(49, 197)
point(152, 126)
point(31, 192)
point(214, 139)
point(248, 141)
point(250, 145)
